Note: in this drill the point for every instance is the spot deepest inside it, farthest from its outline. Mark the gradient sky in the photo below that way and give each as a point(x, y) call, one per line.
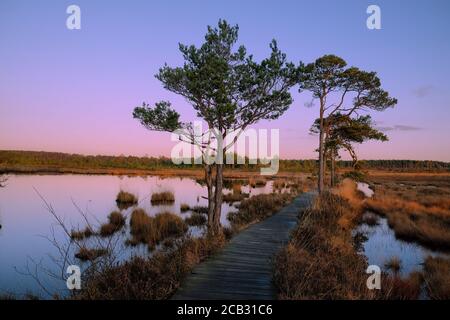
point(74, 90)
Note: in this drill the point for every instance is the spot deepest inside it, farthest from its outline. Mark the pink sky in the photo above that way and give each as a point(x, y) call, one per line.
point(74, 91)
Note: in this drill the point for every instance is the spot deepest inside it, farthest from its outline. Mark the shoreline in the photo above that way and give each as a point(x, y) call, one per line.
point(166, 172)
point(199, 173)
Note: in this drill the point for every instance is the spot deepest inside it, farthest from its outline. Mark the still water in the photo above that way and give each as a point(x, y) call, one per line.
point(27, 224)
point(382, 245)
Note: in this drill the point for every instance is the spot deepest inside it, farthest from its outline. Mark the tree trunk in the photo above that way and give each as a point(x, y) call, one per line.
point(211, 200)
point(333, 168)
point(218, 199)
point(355, 163)
point(321, 149)
point(354, 157)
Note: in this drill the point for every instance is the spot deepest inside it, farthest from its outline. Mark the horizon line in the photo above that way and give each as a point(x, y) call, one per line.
point(168, 157)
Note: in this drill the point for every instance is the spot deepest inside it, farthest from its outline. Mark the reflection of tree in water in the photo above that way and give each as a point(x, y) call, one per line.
point(3, 181)
point(2, 184)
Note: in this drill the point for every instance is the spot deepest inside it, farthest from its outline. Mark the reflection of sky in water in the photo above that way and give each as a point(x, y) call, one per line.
point(26, 221)
point(383, 245)
point(365, 188)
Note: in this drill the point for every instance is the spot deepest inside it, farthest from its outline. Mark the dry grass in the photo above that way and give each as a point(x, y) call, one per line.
point(81, 234)
point(437, 278)
point(398, 288)
point(234, 197)
point(107, 229)
point(115, 222)
point(257, 208)
point(117, 219)
point(152, 230)
point(7, 297)
point(142, 228)
point(236, 188)
point(370, 219)
point(162, 198)
point(200, 209)
point(169, 243)
point(394, 264)
point(413, 214)
point(126, 198)
point(320, 261)
point(347, 191)
point(157, 277)
point(257, 182)
point(88, 254)
point(170, 225)
point(184, 207)
point(196, 219)
point(279, 185)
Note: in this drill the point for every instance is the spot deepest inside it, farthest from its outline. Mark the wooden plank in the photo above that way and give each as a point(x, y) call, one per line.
point(243, 268)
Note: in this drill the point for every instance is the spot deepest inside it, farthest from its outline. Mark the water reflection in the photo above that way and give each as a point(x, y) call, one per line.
point(365, 189)
point(382, 245)
point(26, 221)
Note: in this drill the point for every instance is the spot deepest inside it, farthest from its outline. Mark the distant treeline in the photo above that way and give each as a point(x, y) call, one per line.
point(11, 160)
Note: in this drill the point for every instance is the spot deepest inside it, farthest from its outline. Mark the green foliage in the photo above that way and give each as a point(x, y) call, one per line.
point(328, 75)
point(341, 90)
point(342, 131)
point(226, 87)
point(161, 118)
point(322, 76)
point(356, 130)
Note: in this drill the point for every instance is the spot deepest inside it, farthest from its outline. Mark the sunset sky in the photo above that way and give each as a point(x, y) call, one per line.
point(74, 90)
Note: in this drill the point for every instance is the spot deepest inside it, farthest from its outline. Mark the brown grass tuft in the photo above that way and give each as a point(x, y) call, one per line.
point(200, 209)
point(115, 222)
point(236, 188)
point(184, 207)
point(162, 198)
point(87, 254)
point(196, 219)
point(257, 182)
point(437, 278)
point(80, 235)
point(370, 219)
point(396, 288)
point(125, 200)
point(157, 277)
point(412, 221)
point(320, 261)
point(279, 185)
point(416, 206)
point(257, 208)
point(152, 230)
point(234, 197)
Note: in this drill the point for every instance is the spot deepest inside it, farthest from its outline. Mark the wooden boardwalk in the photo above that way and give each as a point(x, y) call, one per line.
point(243, 268)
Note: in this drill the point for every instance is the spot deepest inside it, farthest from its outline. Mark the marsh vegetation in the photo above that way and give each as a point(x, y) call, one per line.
point(338, 238)
point(112, 236)
point(125, 199)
